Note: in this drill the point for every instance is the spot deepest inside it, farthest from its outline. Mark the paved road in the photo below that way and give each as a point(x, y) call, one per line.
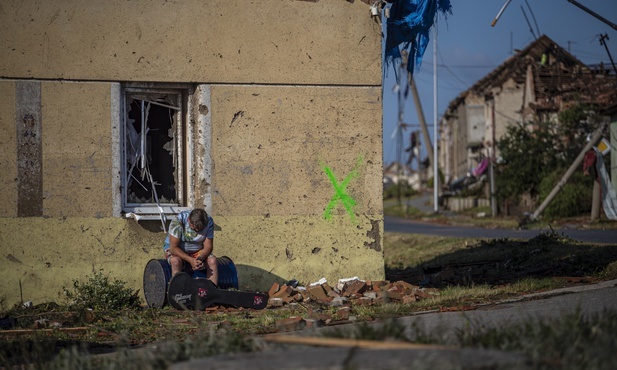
point(400, 225)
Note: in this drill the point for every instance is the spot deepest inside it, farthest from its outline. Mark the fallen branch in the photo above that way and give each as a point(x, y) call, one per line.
point(341, 342)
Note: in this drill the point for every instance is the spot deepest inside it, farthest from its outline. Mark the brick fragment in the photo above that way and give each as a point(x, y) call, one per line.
point(343, 313)
point(290, 324)
point(363, 301)
point(371, 295)
point(273, 289)
point(355, 287)
point(421, 293)
point(275, 302)
point(283, 292)
point(317, 293)
point(409, 299)
point(338, 301)
point(329, 291)
point(312, 323)
point(378, 285)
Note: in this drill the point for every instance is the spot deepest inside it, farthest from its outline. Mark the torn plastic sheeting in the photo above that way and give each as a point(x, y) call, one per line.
point(609, 196)
point(408, 25)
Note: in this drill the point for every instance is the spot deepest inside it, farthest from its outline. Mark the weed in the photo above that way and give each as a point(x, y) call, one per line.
point(99, 293)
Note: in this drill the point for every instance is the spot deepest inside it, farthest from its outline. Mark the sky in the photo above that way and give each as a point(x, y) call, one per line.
point(468, 48)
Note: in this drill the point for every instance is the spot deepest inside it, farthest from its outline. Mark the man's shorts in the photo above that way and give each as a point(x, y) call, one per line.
point(168, 256)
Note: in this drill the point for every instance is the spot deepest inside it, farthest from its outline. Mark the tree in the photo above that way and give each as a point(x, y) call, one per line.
point(531, 152)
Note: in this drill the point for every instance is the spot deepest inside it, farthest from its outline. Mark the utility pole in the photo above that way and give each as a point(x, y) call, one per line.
point(399, 134)
point(603, 43)
point(416, 100)
point(435, 127)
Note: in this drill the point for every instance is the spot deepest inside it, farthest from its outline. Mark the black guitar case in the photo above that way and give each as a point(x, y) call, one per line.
point(187, 293)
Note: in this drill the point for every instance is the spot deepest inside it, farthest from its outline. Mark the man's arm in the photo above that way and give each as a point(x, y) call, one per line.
point(174, 248)
point(207, 249)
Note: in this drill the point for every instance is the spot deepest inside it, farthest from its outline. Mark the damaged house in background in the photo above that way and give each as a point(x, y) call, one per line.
point(533, 85)
point(120, 115)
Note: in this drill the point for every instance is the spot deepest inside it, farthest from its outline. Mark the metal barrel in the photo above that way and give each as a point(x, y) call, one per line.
point(228, 275)
point(156, 277)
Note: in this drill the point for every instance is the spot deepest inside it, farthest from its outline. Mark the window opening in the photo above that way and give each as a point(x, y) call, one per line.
point(152, 159)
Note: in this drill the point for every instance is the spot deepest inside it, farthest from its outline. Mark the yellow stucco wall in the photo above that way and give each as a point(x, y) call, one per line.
point(270, 185)
point(234, 41)
point(303, 80)
point(41, 256)
point(77, 150)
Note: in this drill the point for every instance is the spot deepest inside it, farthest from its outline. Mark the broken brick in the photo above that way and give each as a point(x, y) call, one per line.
point(275, 302)
point(356, 287)
point(312, 323)
point(329, 291)
point(363, 301)
point(290, 324)
point(378, 285)
point(317, 293)
point(273, 289)
point(343, 313)
point(409, 299)
point(338, 301)
point(421, 293)
point(283, 292)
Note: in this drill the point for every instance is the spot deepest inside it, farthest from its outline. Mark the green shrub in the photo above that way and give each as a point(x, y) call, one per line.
point(574, 199)
point(99, 293)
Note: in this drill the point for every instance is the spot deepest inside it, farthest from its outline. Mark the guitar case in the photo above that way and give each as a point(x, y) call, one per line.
point(188, 293)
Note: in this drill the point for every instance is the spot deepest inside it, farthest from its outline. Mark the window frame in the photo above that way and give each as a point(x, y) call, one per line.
point(181, 156)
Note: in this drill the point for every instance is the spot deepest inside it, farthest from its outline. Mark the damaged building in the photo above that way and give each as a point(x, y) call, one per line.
point(534, 85)
point(118, 115)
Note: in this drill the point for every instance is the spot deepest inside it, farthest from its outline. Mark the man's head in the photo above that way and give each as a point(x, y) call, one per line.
point(198, 219)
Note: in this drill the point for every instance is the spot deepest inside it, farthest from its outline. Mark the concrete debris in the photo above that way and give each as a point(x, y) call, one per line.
point(354, 292)
point(320, 282)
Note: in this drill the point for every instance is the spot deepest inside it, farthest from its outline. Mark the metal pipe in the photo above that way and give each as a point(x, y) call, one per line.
point(500, 12)
point(435, 169)
point(594, 139)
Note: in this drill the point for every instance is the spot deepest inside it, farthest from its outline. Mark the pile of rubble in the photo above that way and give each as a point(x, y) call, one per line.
point(346, 293)
point(351, 291)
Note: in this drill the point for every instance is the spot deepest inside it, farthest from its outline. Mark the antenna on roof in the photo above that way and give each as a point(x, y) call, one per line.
point(570, 44)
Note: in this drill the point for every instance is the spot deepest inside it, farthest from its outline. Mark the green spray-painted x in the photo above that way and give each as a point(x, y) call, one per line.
point(341, 191)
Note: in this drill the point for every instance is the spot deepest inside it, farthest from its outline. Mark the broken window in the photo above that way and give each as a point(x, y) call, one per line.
point(152, 163)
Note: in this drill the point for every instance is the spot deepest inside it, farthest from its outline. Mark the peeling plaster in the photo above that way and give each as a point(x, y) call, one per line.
point(374, 234)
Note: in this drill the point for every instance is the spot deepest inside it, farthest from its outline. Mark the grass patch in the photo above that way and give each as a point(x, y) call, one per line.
point(571, 341)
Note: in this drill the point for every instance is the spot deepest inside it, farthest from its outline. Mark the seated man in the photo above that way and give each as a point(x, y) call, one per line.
point(189, 244)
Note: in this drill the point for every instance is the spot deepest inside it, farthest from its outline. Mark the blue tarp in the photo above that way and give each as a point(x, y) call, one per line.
point(408, 25)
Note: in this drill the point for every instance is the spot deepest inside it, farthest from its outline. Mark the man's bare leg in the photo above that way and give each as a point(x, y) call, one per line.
point(213, 270)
